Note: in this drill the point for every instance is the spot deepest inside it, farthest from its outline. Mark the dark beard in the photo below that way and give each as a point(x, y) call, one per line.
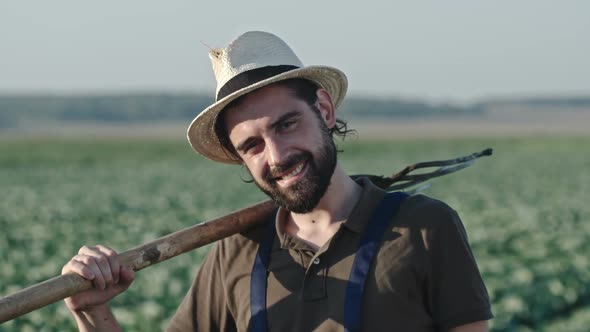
point(304, 196)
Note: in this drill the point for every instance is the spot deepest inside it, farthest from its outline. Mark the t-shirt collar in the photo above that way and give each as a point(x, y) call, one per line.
point(371, 196)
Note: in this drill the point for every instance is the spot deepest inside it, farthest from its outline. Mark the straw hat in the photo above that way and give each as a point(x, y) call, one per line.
point(253, 60)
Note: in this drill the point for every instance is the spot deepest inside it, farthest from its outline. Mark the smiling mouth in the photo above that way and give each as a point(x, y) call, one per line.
point(296, 170)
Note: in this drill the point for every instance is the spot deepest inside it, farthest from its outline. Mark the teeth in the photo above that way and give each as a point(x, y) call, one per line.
point(295, 171)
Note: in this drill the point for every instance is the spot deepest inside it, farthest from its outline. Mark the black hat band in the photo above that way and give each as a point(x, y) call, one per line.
point(250, 77)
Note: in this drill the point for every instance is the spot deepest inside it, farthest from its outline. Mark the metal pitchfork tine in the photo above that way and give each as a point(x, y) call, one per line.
point(444, 167)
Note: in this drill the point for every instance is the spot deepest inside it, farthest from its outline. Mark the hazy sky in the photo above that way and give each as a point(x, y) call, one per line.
point(443, 50)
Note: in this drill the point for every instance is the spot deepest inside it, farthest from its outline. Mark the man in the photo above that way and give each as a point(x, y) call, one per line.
point(338, 254)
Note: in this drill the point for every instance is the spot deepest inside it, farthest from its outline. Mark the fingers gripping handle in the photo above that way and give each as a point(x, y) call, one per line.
point(61, 287)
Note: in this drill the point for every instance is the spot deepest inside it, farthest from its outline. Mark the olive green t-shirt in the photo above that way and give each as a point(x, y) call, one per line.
point(423, 277)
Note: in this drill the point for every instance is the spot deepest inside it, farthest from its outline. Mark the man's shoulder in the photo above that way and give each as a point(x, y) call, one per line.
point(243, 245)
point(251, 236)
point(420, 203)
point(426, 212)
point(417, 205)
point(436, 221)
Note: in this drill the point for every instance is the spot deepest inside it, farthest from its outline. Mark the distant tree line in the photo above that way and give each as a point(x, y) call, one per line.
point(562, 102)
point(122, 108)
point(104, 108)
point(388, 107)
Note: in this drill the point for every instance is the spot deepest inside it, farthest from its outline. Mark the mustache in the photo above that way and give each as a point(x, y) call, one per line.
point(276, 171)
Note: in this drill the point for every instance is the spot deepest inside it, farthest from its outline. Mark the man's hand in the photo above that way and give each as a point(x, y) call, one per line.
point(109, 277)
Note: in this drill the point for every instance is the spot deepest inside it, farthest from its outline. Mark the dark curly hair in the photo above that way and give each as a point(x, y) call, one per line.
point(304, 89)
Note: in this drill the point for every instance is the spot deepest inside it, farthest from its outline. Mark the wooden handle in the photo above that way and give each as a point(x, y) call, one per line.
point(61, 287)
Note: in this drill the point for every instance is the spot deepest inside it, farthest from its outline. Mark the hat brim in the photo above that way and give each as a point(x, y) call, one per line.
point(201, 132)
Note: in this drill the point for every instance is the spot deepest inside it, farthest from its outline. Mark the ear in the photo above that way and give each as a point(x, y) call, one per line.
point(326, 107)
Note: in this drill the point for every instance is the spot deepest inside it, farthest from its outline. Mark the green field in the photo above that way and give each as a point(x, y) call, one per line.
point(525, 209)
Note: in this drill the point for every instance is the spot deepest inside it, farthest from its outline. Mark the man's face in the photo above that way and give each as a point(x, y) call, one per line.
point(285, 144)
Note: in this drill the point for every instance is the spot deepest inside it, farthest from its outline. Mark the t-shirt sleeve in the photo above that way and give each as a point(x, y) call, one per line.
point(204, 307)
point(456, 292)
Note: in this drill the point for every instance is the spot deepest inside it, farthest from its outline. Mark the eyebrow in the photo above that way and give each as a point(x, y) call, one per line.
point(284, 118)
point(242, 146)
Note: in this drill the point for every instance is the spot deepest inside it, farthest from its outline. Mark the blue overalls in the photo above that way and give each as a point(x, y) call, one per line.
point(369, 243)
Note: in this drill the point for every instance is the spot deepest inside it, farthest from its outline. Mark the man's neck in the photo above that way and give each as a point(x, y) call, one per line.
point(320, 224)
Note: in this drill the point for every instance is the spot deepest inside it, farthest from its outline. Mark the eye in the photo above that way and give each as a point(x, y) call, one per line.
point(287, 124)
point(250, 147)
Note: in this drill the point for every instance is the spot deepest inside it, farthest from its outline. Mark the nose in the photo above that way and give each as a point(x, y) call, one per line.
point(275, 152)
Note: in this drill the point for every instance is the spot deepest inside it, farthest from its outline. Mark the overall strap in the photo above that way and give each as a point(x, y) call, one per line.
point(369, 244)
point(258, 279)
